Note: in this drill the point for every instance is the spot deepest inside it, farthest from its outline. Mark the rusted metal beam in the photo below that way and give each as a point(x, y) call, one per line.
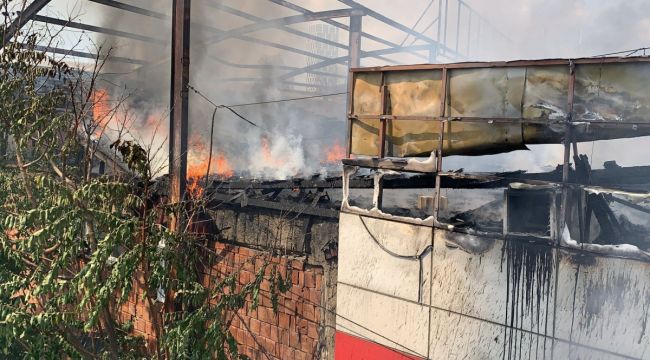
point(284, 206)
point(180, 76)
point(491, 64)
point(23, 17)
point(97, 29)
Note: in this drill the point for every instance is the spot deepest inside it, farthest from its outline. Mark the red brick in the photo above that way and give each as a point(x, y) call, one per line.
point(265, 285)
point(284, 336)
point(287, 353)
point(297, 265)
point(308, 312)
point(265, 300)
point(243, 277)
point(301, 326)
point(314, 296)
point(294, 340)
point(283, 271)
point(255, 326)
point(269, 345)
point(283, 321)
point(275, 333)
point(299, 355)
point(312, 330)
point(310, 279)
point(235, 322)
point(248, 266)
point(299, 307)
point(250, 341)
point(301, 279)
point(289, 307)
point(265, 330)
point(307, 344)
point(319, 282)
point(294, 277)
point(259, 263)
point(269, 270)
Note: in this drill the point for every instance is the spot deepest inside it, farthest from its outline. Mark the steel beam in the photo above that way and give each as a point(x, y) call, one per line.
point(97, 29)
point(179, 104)
point(247, 16)
point(87, 55)
point(23, 17)
point(302, 10)
point(388, 21)
point(343, 59)
point(289, 20)
point(289, 30)
point(131, 8)
point(354, 55)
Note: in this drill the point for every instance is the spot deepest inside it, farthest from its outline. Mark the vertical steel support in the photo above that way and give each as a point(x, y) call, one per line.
point(458, 25)
point(355, 41)
point(354, 60)
point(568, 135)
point(180, 75)
point(441, 139)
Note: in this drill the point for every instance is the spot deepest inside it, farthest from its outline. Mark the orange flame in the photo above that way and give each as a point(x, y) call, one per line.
point(335, 153)
point(268, 155)
point(197, 166)
point(101, 110)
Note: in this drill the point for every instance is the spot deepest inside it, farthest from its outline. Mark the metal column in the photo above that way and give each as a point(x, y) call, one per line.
point(355, 41)
point(180, 75)
point(354, 60)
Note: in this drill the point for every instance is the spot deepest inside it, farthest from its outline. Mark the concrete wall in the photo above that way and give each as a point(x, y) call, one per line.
point(437, 294)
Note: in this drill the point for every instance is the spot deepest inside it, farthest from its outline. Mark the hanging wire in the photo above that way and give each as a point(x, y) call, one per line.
point(207, 172)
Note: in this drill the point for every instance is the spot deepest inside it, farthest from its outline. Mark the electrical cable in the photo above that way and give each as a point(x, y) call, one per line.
point(219, 106)
point(406, 257)
point(628, 52)
point(417, 257)
point(207, 171)
point(289, 99)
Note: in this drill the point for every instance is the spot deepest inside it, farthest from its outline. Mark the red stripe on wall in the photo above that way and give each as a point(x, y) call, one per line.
point(350, 347)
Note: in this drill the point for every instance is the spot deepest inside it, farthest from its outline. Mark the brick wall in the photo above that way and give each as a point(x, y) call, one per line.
point(291, 333)
point(295, 331)
point(136, 311)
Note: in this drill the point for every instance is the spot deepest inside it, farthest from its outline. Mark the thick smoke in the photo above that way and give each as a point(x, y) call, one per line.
point(289, 138)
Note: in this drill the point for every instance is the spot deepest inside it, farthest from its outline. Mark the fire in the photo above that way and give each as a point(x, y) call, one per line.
point(197, 165)
point(101, 110)
point(268, 155)
point(335, 153)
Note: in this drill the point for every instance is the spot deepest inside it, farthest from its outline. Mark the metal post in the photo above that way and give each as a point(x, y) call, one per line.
point(354, 60)
point(180, 75)
point(355, 41)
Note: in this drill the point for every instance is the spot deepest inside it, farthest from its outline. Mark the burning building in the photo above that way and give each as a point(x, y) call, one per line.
point(505, 265)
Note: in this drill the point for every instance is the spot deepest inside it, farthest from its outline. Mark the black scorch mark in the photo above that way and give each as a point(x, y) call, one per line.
point(529, 269)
